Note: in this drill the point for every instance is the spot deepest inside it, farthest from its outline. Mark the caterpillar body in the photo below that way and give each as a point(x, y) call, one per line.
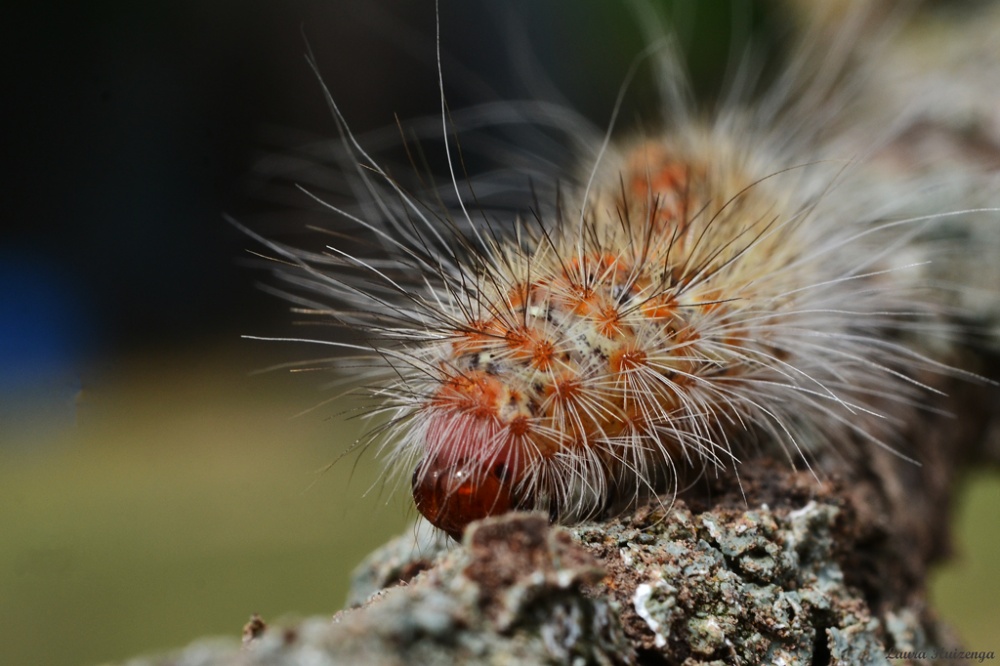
point(686, 297)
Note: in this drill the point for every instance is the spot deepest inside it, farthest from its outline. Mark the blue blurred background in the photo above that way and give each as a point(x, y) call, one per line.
point(152, 487)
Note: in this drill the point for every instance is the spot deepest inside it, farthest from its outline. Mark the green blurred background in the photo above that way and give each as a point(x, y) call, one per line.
point(153, 486)
point(185, 497)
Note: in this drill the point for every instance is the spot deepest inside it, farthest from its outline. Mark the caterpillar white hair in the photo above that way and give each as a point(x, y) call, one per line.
point(689, 295)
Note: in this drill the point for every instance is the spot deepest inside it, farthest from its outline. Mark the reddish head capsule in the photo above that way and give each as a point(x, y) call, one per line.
point(452, 494)
point(471, 467)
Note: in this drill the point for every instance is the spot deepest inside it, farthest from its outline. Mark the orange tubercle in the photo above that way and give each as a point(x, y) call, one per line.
point(660, 307)
point(627, 359)
point(476, 393)
point(527, 344)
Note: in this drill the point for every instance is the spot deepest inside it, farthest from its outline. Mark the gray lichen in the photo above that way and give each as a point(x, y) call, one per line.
point(730, 586)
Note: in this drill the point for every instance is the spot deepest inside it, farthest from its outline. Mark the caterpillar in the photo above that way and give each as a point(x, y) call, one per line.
point(685, 296)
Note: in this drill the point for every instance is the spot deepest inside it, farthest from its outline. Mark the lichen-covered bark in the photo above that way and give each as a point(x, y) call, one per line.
point(769, 583)
point(770, 566)
point(725, 586)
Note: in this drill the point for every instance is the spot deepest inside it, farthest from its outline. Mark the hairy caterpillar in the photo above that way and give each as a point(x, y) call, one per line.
point(684, 297)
